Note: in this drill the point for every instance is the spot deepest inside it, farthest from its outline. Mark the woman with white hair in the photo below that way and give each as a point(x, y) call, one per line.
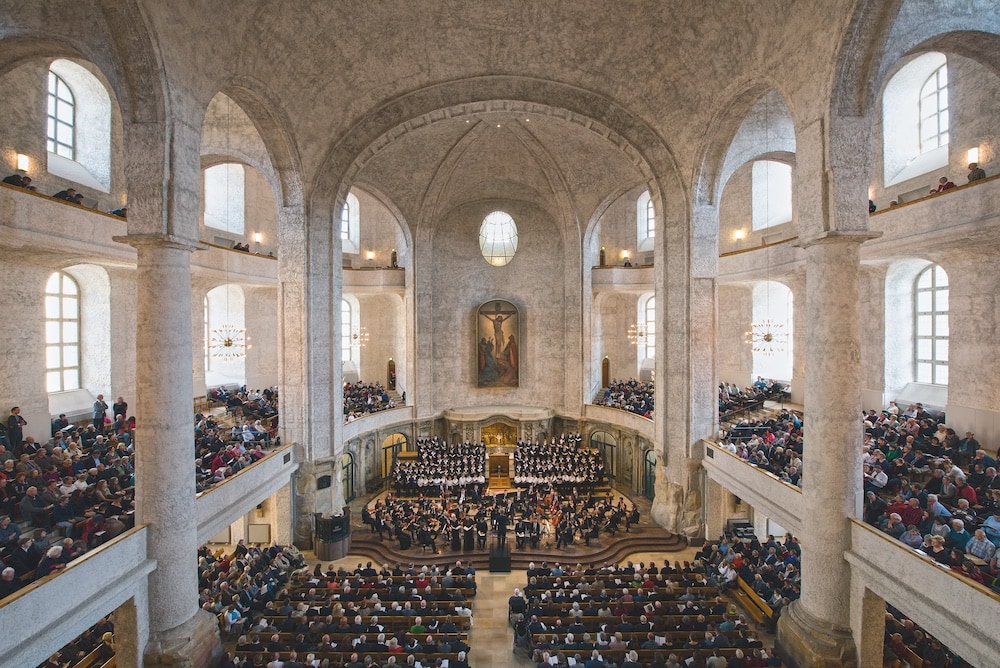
point(50, 563)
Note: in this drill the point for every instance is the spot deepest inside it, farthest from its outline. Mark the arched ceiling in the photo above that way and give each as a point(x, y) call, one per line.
point(438, 166)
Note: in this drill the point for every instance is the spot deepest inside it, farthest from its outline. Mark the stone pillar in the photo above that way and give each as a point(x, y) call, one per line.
point(869, 623)
point(973, 298)
point(815, 630)
point(180, 634)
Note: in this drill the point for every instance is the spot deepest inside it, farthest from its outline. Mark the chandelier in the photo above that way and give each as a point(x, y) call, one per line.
point(636, 334)
point(359, 336)
point(767, 336)
point(228, 343)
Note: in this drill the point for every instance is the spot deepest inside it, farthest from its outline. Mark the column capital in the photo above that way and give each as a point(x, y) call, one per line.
point(161, 241)
point(838, 236)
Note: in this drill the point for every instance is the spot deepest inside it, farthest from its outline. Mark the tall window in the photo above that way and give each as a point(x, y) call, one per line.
point(649, 346)
point(771, 193)
point(346, 325)
point(225, 206)
point(62, 333)
point(930, 311)
point(350, 225)
point(934, 110)
point(208, 337)
point(915, 119)
point(78, 124)
point(645, 221)
point(61, 118)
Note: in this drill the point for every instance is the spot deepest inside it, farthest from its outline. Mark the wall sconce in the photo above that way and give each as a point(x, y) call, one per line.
point(739, 235)
point(972, 157)
point(23, 163)
point(257, 237)
point(370, 255)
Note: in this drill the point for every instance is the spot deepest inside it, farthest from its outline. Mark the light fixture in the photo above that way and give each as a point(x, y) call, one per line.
point(359, 336)
point(257, 236)
point(636, 335)
point(972, 157)
point(767, 336)
point(228, 342)
point(740, 234)
point(23, 163)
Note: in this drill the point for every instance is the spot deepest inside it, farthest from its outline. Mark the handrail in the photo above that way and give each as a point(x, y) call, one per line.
point(760, 247)
point(982, 589)
point(50, 198)
point(936, 194)
point(615, 408)
point(27, 589)
point(752, 466)
point(233, 250)
point(280, 450)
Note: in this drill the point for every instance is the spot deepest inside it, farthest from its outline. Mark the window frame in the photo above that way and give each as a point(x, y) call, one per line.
point(496, 248)
point(55, 102)
point(645, 222)
point(60, 342)
point(938, 363)
point(350, 225)
point(940, 114)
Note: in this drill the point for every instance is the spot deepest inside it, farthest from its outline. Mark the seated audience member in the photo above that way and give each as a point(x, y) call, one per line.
point(66, 195)
point(944, 184)
point(976, 172)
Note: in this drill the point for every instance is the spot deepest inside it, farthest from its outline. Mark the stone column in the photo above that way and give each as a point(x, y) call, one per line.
point(815, 630)
point(974, 296)
point(180, 634)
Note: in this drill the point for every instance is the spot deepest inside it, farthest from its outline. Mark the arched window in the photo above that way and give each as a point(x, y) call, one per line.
point(225, 207)
point(498, 238)
point(346, 326)
point(62, 333)
point(61, 118)
point(771, 194)
point(930, 318)
point(915, 119)
point(773, 310)
point(934, 110)
point(78, 126)
point(225, 315)
point(648, 343)
point(350, 225)
point(645, 220)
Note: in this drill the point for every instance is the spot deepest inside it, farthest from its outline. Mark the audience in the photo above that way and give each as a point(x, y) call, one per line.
point(629, 395)
point(362, 398)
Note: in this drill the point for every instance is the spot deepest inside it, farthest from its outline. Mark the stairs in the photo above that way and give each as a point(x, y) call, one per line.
point(607, 549)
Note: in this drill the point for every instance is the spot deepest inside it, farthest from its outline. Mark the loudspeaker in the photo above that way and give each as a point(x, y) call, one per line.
point(499, 560)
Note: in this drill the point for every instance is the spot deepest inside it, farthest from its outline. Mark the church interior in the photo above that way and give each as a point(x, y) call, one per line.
point(483, 218)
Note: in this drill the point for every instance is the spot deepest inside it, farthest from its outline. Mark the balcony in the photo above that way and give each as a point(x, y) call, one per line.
point(761, 489)
point(226, 502)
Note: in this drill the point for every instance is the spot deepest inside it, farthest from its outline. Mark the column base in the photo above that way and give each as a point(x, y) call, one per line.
point(193, 644)
point(807, 642)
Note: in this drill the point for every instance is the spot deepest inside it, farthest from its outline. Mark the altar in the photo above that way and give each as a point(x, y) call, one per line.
point(499, 427)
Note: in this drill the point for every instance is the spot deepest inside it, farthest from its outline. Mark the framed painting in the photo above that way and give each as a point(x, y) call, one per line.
point(499, 341)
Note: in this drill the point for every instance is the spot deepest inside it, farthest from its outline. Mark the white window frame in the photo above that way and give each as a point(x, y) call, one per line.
point(930, 325)
point(905, 155)
point(62, 318)
point(498, 238)
point(61, 118)
point(645, 222)
point(89, 162)
point(350, 225)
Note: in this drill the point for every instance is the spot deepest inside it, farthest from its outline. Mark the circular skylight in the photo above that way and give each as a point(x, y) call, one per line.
point(498, 238)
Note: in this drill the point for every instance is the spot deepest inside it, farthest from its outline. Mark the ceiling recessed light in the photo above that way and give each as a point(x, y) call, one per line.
point(498, 125)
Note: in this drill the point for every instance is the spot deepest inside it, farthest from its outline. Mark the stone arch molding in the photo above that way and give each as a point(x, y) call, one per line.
point(643, 146)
